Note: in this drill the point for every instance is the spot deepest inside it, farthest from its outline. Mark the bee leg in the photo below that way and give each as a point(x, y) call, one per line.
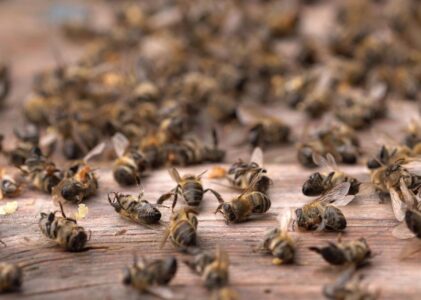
point(177, 191)
point(164, 197)
point(218, 209)
point(216, 194)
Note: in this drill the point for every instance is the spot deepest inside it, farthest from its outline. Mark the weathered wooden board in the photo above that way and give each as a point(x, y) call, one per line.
point(51, 273)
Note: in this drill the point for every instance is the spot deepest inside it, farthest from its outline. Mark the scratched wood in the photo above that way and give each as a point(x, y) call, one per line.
point(51, 273)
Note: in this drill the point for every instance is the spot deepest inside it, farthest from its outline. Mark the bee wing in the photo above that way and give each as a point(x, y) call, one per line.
point(97, 150)
point(413, 167)
point(337, 195)
point(408, 196)
point(249, 115)
point(257, 156)
point(252, 183)
point(120, 143)
point(322, 162)
point(285, 219)
point(165, 238)
point(163, 293)
point(398, 206)
point(402, 231)
point(174, 174)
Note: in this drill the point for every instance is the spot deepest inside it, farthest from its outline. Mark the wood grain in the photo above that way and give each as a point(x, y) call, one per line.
point(51, 273)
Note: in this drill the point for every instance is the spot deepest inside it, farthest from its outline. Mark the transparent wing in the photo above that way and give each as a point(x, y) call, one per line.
point(257, 156)
point(163, 293)
point(336, 195)
point(320, 161)
point(402, 231)
point(250, 115)
point(174, 174)
point(413, 167)
point(407, 195)
point(120, 143)
point(285, 219)
point(331, 161)
point(97, 150)
point(398, 206)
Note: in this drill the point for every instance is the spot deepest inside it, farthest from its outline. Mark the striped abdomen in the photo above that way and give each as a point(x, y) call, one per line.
point(184, 234)
point(192, 192)
point(261, 202)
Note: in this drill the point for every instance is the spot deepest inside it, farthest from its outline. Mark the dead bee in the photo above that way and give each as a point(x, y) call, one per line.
point(8, 186)
point(320, 214)
point(241, 207)
point(182, 229)
point(337, 139)
point(28, 138)
point(241, 174)
point(131, 162)
point(213, 267)
point(80, 181)
point(279, 243)
point(319, 183)
point(355, 252)
point(5, 82)
point(63, 230)
point(388, 155)
point(134, 209)
point(266, 129)
point(43, 174)
point(11, 277)
point(189, 187)
point(348, 286)
point(144, 275)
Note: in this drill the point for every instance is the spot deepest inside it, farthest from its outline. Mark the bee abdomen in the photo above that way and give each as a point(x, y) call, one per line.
point(261, 202)
point(149, 214)
point(76, 239)
point(193, 193)
point(184, 235)
point(334, 219)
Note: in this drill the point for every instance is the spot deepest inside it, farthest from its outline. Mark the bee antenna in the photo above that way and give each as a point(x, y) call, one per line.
point(62, 210)
point(215, 138)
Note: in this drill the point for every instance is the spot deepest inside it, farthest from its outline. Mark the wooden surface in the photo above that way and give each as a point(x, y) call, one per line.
point(51, 273)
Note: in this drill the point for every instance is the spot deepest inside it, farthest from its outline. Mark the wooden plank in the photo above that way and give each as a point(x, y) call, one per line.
point(52, 273)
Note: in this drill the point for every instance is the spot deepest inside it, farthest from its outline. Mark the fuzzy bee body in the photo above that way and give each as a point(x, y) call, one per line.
point(278, 243)
point(182, 229)
point(354, 252)
point(11, 277)
point(142, 275)
point(8, 186)
point(135, 209)
point(64, 231)
point(129, 167)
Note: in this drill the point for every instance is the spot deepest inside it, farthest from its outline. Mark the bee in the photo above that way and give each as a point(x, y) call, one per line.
point(43, 173)
point(279, 243)
point(131, 162)
point(189, 187)
point(355, 252)
point(80, 181)
point(266, 129)
point(349, 286)
point(8, 186)
point(241, 207)
point(134, 209)
point(319, 183)
point(63, 230)
point(387, 156)
point(337, 139)
point(182, 229)
point(144, 275)
point(241, 174)
point(412, 137)
point(5, 81)
point(225, 293)
point(213, 267)
point(11, 277)
point(320, 214)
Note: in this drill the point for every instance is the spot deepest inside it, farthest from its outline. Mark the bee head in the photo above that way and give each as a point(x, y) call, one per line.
point(314, 185)
point(228, 212)
point(169, 268)
point(348, 155)
point(124, 175)
point(71, 191)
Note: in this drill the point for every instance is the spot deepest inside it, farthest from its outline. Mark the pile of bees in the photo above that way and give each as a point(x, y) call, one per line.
point(162, 82)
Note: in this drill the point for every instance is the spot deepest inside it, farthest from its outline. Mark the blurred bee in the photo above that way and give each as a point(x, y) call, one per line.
point(279, 243)
point(8, 186)
point(144, 275)
point(241, 207)
point(11, 277)
point(131, 162)
point(43, 174)
point(355, 252)
point(134, 209)
point(63, 230)
point(80, 181)
point(412, 137)
point(5, 82)
point(241, 174)
point(320, 214)
point(189, 187)
point(266, 129)
point(348, 286)
point(387, 156)
point(213, 267)
point(319, 183)
point(225, 293)
point(182, 229)
point(337, 139)
point(294, 90)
